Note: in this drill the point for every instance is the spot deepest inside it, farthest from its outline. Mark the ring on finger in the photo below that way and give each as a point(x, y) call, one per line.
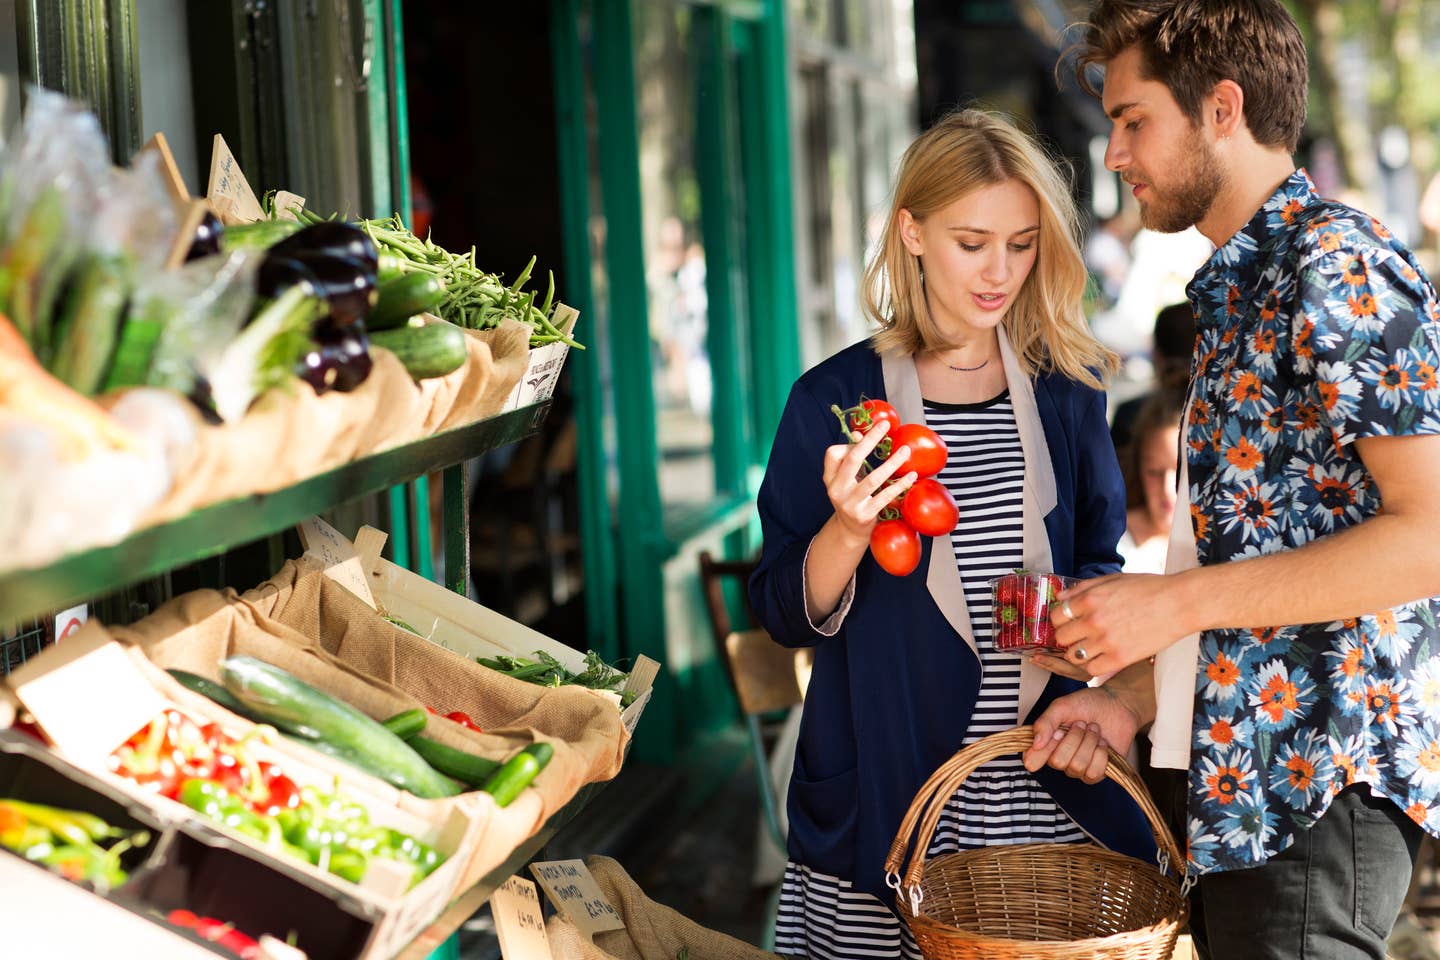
point(1069, 614)
point(1080, 654)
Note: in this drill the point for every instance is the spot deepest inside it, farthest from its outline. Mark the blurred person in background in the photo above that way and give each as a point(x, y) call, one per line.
point(1174, 343)
point(1107, 256)
point(1149, 460)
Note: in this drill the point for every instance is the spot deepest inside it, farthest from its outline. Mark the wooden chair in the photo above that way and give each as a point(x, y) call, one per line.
point(766, 677)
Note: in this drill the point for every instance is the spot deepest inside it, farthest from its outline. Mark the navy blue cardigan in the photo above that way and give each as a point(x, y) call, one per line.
point(892, 692)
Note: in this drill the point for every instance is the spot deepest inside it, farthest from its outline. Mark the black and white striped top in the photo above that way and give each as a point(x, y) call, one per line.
point(823, 917)
point(985, 474)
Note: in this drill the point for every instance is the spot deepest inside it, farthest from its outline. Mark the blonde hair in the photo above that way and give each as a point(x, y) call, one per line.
point(965, 151)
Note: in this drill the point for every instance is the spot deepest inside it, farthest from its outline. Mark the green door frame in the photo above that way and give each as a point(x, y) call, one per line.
point(753, 337)
point(597, 545)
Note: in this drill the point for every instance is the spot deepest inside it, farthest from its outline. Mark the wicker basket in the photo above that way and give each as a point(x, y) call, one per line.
point(1037, 901)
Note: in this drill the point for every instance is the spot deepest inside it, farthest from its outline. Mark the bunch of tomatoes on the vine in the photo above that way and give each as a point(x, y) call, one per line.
point(926, 508)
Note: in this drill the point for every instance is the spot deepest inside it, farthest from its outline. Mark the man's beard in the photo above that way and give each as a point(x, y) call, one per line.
point(1187, 203)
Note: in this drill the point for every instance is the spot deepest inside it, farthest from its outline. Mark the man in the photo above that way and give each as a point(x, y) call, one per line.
point(1296, 662)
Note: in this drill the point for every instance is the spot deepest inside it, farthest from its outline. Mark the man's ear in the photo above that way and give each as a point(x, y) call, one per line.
point(910, 233)
point(1227, 109)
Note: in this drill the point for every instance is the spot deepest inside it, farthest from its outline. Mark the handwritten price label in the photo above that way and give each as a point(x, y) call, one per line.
point(572, 888)
point(519, 921)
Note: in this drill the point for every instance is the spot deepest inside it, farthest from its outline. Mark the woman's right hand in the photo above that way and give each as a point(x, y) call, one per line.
point(858, 501)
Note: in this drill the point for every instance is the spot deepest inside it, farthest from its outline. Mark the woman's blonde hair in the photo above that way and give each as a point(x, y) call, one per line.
point(965, 151)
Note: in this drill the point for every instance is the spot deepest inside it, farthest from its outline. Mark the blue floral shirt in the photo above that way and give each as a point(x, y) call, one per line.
point(1314, 328)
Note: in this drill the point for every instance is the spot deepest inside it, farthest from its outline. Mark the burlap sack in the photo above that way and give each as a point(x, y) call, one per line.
point(585, 730)
point(509, 346)
point(652, 931)
point(291, 434)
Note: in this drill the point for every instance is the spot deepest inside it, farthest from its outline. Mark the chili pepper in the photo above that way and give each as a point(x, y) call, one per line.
point(463, 718)
point(282, 794)
point(216, 803)
point(70, 826)
point(348, 864)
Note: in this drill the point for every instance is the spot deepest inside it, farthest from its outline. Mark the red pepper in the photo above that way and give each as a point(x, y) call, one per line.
point(182, 918)
point(148, 757)
point(225, 934)
point(283, 794)
point(463, 718)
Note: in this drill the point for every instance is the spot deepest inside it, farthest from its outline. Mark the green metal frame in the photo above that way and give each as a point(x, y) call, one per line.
point(86, 49)
point(641, 543)
point(597, 544)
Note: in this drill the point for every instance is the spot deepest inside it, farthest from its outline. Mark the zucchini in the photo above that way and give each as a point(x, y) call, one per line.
point(209, 688)
point(518, 773)
point(429, 351)
point(406, 724)
point(287, 702)
point(400, 298)
point(462, 766)
point(89, 324)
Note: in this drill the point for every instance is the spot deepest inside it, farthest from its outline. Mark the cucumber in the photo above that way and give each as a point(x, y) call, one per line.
point(89, 325)
point(462, 766)
point(406, 724)
point(400, 298)
point(287, 702)
point(209, 688)
point(517, 773)
point(429, 351)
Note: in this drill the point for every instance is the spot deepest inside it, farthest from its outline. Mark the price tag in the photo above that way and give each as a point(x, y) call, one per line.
point(519, 922)
point(337, 556)
point(87, 695)
point(572, 888)
point(228, 184)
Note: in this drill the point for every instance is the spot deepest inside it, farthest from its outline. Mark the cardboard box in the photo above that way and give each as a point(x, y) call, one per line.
point(465, 627)
point(390, 915)
point(543, 371)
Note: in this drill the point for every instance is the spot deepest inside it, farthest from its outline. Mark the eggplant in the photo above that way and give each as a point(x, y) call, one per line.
point(345, 283)
point(340, 359)
point(278, 274)
point(207, 237)
point(330, 238)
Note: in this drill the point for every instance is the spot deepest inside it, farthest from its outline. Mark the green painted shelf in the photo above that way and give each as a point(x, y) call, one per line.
point(27, 593)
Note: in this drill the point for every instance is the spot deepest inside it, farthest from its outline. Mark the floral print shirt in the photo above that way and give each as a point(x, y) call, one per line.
point(1315, 328)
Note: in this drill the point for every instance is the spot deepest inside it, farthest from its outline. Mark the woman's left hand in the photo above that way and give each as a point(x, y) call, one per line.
point(1058, 664)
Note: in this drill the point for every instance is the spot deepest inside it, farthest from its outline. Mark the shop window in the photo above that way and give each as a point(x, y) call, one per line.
point(674, 254)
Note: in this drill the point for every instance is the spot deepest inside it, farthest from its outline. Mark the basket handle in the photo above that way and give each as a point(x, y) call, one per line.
point(943, 783)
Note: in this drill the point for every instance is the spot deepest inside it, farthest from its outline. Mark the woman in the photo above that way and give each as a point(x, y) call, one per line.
point(977, 292)
point(1149, 462)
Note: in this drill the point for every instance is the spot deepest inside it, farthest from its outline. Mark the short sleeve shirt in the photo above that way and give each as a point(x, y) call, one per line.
point(1315, 328)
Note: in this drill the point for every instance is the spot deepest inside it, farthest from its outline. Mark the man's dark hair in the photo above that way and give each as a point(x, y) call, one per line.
point(1174, 345)
point(1191, 45)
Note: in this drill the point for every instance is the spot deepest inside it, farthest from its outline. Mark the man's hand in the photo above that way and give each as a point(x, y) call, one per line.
point(1075, 733)
point(1108, 623)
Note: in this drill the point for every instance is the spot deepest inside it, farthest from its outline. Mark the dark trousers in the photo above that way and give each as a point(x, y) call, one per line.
point(1332, 895)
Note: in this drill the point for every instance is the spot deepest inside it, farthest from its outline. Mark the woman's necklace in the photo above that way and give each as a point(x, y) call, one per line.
point(967, 369)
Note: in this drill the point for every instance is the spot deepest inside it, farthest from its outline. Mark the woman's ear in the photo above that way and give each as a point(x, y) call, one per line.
point(910, 233)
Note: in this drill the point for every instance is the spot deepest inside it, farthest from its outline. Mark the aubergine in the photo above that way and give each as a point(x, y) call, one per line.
point(208, 234)
point(346, 284)
point(332, 238)
point(339, 358)
point(278, 274)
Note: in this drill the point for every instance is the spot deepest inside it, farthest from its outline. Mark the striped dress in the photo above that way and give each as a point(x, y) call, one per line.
point(823, 917)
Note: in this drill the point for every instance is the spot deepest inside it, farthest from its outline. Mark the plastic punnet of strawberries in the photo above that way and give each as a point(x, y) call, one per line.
point(1021, 609)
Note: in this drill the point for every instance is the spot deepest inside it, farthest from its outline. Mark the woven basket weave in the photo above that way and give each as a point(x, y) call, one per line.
point(1036, 901)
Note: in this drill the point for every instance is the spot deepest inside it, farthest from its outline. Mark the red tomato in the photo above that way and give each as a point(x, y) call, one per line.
point(927, 450)
point(871, 412)
point(896, 547)
point(929, 508)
